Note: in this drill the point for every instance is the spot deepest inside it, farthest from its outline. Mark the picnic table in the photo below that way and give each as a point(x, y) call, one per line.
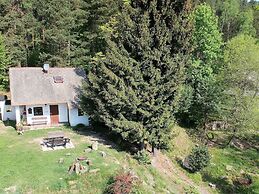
point(56, 138)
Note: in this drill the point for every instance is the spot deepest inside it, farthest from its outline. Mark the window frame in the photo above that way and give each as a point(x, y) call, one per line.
point(80, 112)
point(36, 112)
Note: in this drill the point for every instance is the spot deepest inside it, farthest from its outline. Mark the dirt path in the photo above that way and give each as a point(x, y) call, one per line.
point(163, 164)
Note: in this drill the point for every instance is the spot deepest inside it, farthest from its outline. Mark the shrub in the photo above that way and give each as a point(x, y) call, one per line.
point(143, 157)
point(198, 159)
point(123, 183)
point(79, 126)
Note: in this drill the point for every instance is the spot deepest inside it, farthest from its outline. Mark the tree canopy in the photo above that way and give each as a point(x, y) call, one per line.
point(134, 87)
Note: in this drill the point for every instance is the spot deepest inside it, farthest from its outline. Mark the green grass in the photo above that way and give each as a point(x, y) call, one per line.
point(241, 161)
point(25, 166)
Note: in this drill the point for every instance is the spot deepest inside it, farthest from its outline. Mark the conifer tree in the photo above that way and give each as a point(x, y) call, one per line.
point(4, 64)
point(16, 25)
point(63, 33)
point(134, 87)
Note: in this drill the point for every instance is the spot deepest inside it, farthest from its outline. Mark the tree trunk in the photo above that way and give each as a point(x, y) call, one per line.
point(142, 145)
point(154, 151)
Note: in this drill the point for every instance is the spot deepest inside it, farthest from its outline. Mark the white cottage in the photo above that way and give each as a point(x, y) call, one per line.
point(44, 96)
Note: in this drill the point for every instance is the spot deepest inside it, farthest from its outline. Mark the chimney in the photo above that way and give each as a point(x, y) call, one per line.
point(45, 68)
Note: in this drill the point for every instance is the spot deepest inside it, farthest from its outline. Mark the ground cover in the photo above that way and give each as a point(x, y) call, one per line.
point(227, 164)
point(27, 169)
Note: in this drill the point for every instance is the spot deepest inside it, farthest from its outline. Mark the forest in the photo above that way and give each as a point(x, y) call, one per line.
point(151, 64)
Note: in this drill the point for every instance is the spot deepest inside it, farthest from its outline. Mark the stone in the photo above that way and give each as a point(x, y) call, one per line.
point(87, 150)
point(11, 189)
point(224, 177)
point(103, 154)
point(88, 162)
point(74, 191)
point(84, 170)
point(82, 158)
point(68, 154)
point(61, 160)
point(94, 170)
point(77, 167)
point(229, 168)
point(212, 185)
point(95, 145)
point(73, 187)
point(71, 182)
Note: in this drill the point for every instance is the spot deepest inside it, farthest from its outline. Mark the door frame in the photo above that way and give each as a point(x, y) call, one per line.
point(54, 118)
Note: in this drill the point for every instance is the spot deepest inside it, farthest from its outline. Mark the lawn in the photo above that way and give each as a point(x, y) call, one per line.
point(26, 167)
point(226, 165)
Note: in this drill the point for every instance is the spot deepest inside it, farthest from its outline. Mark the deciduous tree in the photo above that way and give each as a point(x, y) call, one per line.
point(206, 64)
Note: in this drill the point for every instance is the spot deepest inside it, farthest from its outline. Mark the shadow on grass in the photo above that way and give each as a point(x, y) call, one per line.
point(224, 185)
point(103, 135)
point(10, 123)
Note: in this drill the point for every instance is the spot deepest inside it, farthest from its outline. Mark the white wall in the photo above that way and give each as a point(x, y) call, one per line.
point(46, 114)
point(9, 115)
point(2, 109)
point(74, 119)
point(62, 109)
point(63, 113)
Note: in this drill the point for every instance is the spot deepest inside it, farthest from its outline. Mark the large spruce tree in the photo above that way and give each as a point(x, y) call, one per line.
point(134, 87)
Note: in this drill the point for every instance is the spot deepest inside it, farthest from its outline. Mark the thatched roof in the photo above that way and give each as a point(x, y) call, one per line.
point(31, 86)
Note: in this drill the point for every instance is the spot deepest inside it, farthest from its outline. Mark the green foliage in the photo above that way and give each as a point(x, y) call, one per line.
point(198, 159)
point(247, 22)
point(134, 87)
point(4, 65)
point(241, 81)
point(235, 16)
point(207, 39)
point(202, 74)
point(242, 161)
point(256, 20)
point(143, 157)
point(43, 31)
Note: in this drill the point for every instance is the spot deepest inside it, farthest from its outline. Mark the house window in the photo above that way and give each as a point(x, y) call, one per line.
point(58, 79)
point(80, 112)
point(38, 111)
point(29, 111)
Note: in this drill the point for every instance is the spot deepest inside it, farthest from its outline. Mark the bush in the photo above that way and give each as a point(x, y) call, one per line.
point(123, 183)
point(143, 157)
point(198, 159)
point(79, 127)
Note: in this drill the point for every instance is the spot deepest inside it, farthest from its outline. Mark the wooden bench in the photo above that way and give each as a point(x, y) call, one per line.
point(39, 121)
point(57, 141)
point(56, 138)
